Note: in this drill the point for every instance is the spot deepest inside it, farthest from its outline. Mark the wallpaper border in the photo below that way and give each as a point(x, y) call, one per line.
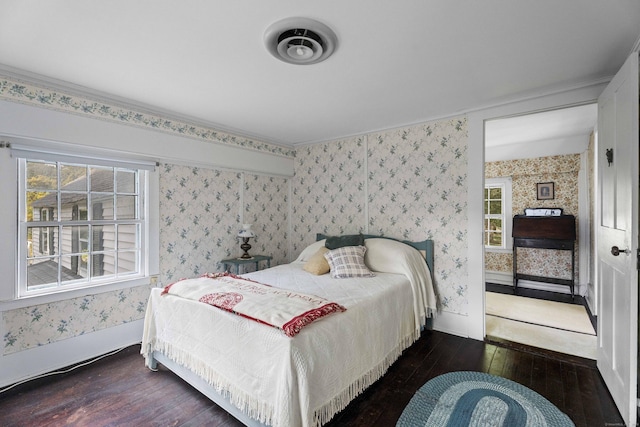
point(16, 90)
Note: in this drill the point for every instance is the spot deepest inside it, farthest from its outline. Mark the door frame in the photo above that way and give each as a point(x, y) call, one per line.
point(475, 324)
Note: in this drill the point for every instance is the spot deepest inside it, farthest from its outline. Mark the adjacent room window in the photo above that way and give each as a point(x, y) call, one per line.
point(497, 214)
point(81, 224)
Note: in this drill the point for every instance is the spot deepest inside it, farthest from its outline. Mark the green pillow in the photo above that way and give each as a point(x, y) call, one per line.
point(335, 242)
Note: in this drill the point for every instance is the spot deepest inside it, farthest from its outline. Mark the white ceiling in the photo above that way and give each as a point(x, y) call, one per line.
point(547, 133)
point(396, 63)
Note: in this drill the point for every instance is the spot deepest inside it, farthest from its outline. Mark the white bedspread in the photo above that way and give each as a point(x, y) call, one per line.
point(299, 381)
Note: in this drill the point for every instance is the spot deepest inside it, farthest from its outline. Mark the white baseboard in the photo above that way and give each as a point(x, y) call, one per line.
point(506, 279)
point(452, 323)
point(30, 363)
point(498, 277)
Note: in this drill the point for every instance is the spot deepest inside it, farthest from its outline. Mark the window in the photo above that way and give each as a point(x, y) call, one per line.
point(497, 214)
point(80, 224)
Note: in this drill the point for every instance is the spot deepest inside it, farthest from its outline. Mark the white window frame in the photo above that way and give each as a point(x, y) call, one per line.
point(506, 217)
point(148, 223)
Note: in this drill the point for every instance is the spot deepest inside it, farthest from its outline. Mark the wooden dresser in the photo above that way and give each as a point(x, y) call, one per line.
point(544, 232)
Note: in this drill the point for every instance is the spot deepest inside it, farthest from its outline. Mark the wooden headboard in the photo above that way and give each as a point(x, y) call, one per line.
point(425, 246)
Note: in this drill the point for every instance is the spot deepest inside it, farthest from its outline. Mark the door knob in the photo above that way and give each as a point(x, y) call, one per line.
point(615, 251)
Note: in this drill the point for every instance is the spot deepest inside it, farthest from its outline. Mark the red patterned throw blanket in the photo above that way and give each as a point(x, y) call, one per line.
point(283, 309)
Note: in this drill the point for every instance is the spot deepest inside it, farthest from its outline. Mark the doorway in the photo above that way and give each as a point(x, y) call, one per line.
point(554, 148)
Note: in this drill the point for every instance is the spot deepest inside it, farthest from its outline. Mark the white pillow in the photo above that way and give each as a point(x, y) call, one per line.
point(347, 262)
point(310, 250)
point(391, 256)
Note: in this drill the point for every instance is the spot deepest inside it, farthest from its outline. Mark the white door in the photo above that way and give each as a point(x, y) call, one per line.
point(618, 228)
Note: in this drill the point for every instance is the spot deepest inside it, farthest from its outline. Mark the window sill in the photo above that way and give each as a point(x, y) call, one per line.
point(30, 301)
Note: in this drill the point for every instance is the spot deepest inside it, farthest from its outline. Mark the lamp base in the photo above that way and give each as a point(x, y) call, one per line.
point(245, 246)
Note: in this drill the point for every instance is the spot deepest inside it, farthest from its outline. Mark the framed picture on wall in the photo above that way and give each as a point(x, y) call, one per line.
point(545, 191)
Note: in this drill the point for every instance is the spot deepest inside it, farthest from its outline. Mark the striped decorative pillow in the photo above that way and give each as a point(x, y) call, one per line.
point(348, 261)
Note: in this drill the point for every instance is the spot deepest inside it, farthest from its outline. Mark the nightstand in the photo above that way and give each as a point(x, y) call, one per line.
point(237, 262)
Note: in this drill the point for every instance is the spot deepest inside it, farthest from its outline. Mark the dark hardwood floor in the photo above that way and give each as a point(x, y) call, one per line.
point(119, 391)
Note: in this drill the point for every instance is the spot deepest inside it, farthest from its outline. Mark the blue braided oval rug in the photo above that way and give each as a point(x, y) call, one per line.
point(462, 399)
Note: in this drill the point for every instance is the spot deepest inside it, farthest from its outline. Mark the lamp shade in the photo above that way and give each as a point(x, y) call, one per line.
point(246, 231)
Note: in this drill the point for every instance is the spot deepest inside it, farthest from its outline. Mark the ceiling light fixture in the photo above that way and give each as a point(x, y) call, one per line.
point(300, 41)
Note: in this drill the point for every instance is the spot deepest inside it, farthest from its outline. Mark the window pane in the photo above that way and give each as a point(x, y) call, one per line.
point(73, 177)
point(495, 239)
point(495, 207)
point(73, 206)
point(102, 205)
point(41, 206)
point(71, 270)
point(44, 241)
point(495, 232)
point(42, 176)
point(495, 193)
point(127, 262)
point(102, 180)
point(75, 239)
point(104, 238)
point(42, 273)
point(126, 207)
point(128, 236)
point(99, 266)
point(125, 181)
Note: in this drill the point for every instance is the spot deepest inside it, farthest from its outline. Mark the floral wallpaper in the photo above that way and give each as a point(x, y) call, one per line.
point(328, 191)
point(526, 173)
point(408, 183)
point(418, 189)
point(266, 207)
point(199, 220)
point(200, 216)
point(47, 323)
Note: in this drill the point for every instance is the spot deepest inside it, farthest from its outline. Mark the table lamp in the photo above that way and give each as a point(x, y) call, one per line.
point(245, 234)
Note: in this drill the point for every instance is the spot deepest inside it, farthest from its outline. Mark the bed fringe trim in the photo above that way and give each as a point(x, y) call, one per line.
point(325, 413)
point(263, 412)
point(254, 408)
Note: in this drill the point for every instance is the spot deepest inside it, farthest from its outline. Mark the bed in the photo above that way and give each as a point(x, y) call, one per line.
point(260, 375)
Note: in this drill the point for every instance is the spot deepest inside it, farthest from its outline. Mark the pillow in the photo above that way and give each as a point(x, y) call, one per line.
point(336, 242)
point(348, 261)
point(310, 250)
point(317, 264)
point(392, 256)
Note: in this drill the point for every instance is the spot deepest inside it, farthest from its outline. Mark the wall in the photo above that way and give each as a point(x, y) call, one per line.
point(201, 211)
point(43, 324)
point(526, 173)
point(408, 183)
